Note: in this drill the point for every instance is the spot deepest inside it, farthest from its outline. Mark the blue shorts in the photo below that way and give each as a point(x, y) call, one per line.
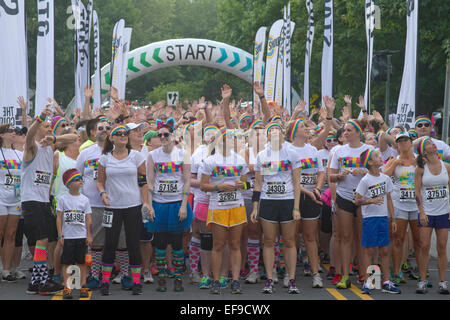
point(375, 232)
point(437, 222)
point(167, 220)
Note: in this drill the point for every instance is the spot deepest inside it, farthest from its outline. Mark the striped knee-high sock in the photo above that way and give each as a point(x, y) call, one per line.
point(253, 254)
point(122, 261)
point(303, 252)
point(276, 254)
point(178, 261)
point(194, 254)
point(160, 260)
point(96, 262)
point(136, 274)
point(281, 258)
point(106, 272)
point(40, 268)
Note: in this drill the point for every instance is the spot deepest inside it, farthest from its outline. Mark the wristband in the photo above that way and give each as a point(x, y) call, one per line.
point(40, 119)
point(102, 192)
point(59, 238)
point(216, 188)
point(54, 139)
point(256, 196)
point(246, 186)
point(186, 193)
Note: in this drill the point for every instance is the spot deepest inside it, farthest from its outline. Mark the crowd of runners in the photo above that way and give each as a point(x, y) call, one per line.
point(229, 193)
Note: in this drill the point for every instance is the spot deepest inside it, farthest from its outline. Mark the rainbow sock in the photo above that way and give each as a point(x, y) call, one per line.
point(178, 262)
point(96, 261)
point(160, 260)
point(136, 273)
point(40, 268)
point(106, 272)
point(122, 261)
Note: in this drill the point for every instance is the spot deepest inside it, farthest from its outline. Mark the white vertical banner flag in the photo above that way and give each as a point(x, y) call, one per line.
point(45, 55)
point(76, 12)
point(123, 73)
point(272, 59)
point(406, 107)
point(117, 54)
point(309, 43)
point(279, 82)
point(87, 29)
point(13, 60)
point(82, 55)
point(327, 54)
point(370, 27)
point(287, 62)
point(258, 58)
point(97, 74)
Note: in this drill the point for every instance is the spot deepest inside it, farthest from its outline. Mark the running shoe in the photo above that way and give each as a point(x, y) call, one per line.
point(398, 278)
point(50, 288)
point(161, 285)
point(84, 292)
point(307, 270)
point(194, 277)
point(178, 285)
point(117, 279)
point(389, 287)
point(443, 287)
point(293, 287)
point(317, 281)
point(353, 270)
point(406, 268)
point(337, 278)
point(205, 283)
point(268, 287)
point(286, 281)
point(421, 287)
point(414, 274)
point(360, 279)
point(104, 289)
point(244, 273)
point(331, 273)
point(32, 288)
point(275, 275)
point(252, 278)
point(136, 289)
point(344, 283)
point(19, 275)
point(67, 294)
point(236, 287)
point(223, 282)
point(326, 259)
point(126, 283)
point(93, 283)
point(8, 277)
point(215, 287)
point(365, 288)
point(148, 278)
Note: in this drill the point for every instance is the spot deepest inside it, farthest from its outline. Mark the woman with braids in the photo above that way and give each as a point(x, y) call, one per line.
point(170, 215)
point(431, 181)
point(277, 192)
point(347, 171)
point(122, 185)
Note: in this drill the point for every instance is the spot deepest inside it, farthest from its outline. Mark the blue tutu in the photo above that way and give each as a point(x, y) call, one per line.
point(167, 220)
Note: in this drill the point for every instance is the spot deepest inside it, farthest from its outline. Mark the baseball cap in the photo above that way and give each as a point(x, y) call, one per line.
point(402, 134)
point(132, 126)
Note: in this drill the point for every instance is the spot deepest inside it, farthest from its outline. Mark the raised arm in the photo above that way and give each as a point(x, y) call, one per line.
point(259, 90)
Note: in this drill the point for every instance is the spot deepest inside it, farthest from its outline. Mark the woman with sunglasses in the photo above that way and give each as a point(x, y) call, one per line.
point(347, 171)
point(224, 175)
point(424, 128)
point(123, 188)
point(431, 181)
point(170, 215)
point(277, 192)
point(10, 170)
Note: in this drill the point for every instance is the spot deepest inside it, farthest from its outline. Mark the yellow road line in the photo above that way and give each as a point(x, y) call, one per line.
point(336, 294)
point(359, 294)
point(88, 298)
point(58, 296)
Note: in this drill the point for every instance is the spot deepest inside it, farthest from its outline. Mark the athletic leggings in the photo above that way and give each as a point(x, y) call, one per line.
point(162, 239)
point(132, 220)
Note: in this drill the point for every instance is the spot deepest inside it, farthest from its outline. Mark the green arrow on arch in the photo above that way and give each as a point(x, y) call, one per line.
point(143, 61)
point(131, 66)
point(156, 55)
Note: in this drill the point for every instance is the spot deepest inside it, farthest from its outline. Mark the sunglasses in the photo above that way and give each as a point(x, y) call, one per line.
point(20, 131)
point(426, 125)
point(64, 125)
point(101, 128)
point(9, 130)
point(165, 135)
point(332, 140)
point(121, 134)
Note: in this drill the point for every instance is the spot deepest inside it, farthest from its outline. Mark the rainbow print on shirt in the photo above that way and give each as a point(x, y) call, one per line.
point(168, 167)
point(350, 162)
point(277, 166)
point(309, 163)
point(92, 163)
point(227, 171)
point(325, 162)
point(10, 164)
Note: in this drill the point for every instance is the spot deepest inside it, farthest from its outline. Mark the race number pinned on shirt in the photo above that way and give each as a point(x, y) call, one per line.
point(11, 181)
point(42, 178)
point(436, 193)
point(227, 198)
point(74, 217)
point(407, 195)
point(107, 219)
point(378, 190)
point(95, 174)
point(276, 189)
point(168, 188)
point(308, 179)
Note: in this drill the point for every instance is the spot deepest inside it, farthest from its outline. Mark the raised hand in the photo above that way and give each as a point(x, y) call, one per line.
point(361, 104)
point(114, 93)
point(258, 88)
point(226, 92)
point(22, 103)
point(88, 92)
point(348, 99)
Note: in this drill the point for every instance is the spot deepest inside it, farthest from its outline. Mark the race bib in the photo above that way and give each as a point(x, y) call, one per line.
point(308, 179)
point(168, 188)
point(252, 183)
point(74, 217)
point(276, 189)
point(353, 195)
point(42, 178)
point(227, 198)
point(11, 181)
point(377, 190)
point(407, 195)
point(436, 193)
point(107, 219)
point(95, 174)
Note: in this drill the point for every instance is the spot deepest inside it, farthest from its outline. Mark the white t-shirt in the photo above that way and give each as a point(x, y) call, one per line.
point(169, 180)
point(122, 179)
point(199, 155)
point(276, 169)
point(10, 163)
point(224, 170)
point(371, 187)
point(74, 210)
point(347, 158)
point(311, 164)
point(87, 164)
point(443, 149)
point(388, 154)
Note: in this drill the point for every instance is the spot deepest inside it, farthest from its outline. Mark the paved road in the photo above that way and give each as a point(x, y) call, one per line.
point(16, 291)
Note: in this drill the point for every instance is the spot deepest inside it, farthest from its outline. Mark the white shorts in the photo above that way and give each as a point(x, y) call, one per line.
point(406, 215)
point(13, 210)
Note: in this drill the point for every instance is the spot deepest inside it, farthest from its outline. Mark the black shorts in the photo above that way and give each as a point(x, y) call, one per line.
point(39, 222)
point(309, 210)
point(346, 205)
point(145, 235)
point(74, 251)
point(326, 225)
point(276, 210)
point(21, 231)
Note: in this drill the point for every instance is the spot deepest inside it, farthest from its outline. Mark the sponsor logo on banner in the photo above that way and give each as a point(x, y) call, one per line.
point(11, 115)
